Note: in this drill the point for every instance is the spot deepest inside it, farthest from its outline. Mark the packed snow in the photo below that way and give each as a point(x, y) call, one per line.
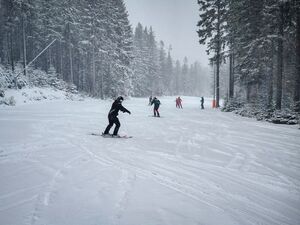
point(190, 166)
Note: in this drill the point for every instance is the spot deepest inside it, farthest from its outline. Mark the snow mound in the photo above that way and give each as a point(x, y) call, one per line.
point(284, 116)
point(27, 95)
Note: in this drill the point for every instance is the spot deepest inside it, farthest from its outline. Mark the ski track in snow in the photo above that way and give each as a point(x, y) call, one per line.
point(44, 198)
point(236, 168)
point(126, 183)
point(161, 179)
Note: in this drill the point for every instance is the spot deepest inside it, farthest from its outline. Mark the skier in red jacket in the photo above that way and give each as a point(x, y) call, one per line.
point(178, 102)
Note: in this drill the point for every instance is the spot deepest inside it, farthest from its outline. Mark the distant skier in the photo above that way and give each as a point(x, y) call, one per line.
point(112, 116)
point(178, 102)
point(156, 103)
point(150, 100)
point(202, 103)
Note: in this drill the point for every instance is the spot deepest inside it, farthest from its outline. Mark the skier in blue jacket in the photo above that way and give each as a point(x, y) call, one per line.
point(156, 103)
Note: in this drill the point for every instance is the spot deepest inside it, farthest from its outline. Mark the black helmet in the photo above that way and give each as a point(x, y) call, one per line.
point(120, 99)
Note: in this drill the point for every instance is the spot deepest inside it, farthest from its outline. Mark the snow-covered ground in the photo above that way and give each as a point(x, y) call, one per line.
point(34, 94)
point(192, 166)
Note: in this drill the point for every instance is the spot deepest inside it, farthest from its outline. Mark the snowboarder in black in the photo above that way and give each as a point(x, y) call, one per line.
point(112, 116)
point(202, 103)
point(156, 103)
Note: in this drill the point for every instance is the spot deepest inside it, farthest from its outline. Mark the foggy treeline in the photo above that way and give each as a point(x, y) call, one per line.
point(95, 49)
point(259, 43)
point(155, 72)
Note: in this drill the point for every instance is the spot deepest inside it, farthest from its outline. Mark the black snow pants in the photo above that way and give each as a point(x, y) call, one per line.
point(113, 120)
point(155, 110)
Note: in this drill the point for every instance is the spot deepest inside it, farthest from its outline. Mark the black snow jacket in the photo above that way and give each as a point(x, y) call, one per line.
point(116, 106)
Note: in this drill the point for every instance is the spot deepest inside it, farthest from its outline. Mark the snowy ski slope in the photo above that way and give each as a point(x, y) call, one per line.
point(189, 167)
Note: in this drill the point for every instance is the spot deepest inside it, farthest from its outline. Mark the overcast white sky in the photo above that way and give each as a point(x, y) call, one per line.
point(174, 22)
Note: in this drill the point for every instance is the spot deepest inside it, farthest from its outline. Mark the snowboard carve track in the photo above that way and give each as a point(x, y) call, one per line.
point(256, 194)
point(43, 199)
point(162, 180)
point(21, 202)
point(126, 183)
point(21, 191)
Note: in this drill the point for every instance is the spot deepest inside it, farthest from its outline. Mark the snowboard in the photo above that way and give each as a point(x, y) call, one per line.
point(155, 116)
point(111, 136)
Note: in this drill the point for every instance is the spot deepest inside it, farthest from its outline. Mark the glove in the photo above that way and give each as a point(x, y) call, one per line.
point(129, 112)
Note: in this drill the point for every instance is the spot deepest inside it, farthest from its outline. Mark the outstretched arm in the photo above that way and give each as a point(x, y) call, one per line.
point(123, 109)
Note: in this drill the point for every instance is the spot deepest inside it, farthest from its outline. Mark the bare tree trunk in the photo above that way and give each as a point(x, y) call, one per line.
point(24, 46)
point(101, 73)
point(270, 84)
point(11, 52)
point(93, 72)
point(218, 82)
point(218, 59)
point(88, 83)
point(71, 64)
point(79, 82)
point(69, 74)
point(280, 60)
point(93, 53)
point(50, 57)
point(2, 33)
point(231, 75)
point(102, 86)
point(12, 60)
point(214, 71)
point(61, 60)
point(248, 91)
point(297, 83)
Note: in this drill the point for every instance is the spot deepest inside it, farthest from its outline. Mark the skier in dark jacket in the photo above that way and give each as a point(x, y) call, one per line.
point(112, 116)
point(156, 103)
point(202, 103)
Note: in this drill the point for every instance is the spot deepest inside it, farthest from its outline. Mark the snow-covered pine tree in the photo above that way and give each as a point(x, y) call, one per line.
point(93, 45)
point(13, 21)
point(184, 76)
point(162, 79)
point(152, 61)
point(194, 82)
point(121, 52)
point(297, 80)
point(140, 80)
point(177, 77)
point(169, 77)
point(212, 26)
point(251, 41)
point(262, 35)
